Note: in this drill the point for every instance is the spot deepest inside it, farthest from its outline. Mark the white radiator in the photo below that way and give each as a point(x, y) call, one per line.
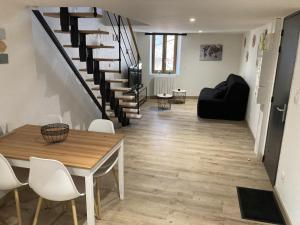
point(163, 85)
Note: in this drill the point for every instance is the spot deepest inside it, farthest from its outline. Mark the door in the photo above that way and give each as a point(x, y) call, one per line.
point(281, 93)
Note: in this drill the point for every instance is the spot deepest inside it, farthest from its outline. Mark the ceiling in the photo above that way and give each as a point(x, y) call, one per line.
point(173, 15)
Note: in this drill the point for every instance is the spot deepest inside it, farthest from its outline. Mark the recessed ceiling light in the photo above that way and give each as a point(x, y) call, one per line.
point(200, 31)
point(192, 20)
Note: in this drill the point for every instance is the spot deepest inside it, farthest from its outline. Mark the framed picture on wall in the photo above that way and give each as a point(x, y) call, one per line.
point(211, 52)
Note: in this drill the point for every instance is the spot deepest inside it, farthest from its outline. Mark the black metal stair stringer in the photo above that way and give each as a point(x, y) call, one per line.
point(48, 30)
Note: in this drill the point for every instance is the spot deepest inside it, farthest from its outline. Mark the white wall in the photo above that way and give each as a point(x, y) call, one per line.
point(37, 81)
point(249, 71)
point(288, 179)
point(195, 74)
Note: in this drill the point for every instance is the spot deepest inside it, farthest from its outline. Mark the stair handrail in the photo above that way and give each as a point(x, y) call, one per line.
point(118, 20)
point(134, 39)
point(119, 38)
point(60, 48)
point(131, 49)
point(125, 38)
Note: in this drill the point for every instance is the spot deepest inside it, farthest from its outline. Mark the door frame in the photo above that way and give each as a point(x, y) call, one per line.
point(264, 112)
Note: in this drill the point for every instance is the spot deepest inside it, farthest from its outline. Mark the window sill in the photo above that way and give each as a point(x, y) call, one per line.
point(164, 74)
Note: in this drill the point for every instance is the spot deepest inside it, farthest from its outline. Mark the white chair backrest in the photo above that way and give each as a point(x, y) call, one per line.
point(8, 180)
point(51, 180)
point(51, 118)
point(100, 125)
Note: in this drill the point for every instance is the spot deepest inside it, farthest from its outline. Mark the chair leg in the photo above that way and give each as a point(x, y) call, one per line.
point(116, 179)
point(73, 204)
point(37, 212)
point(98, 198)
point(18, 206)
point(96, 209)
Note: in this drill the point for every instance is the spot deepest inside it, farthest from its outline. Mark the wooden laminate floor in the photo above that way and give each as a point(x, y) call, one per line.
point(179, 170)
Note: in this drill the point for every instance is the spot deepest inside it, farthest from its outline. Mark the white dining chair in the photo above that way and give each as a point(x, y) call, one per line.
point(51, 180)
point(105, 126)
point(101, 125)
point(9, 182)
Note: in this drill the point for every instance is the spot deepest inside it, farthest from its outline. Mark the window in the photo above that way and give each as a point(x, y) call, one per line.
point(164, 53)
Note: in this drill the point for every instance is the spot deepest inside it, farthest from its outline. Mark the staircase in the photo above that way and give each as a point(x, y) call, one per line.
point(109, 88)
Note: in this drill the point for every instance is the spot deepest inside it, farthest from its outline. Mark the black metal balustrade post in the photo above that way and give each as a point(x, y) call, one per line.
point(138, 100)
point(103, 94)
point(96, 74)
point(89, 61)
point(74, 31)
point(82, 48)
point(64, 19)
point(119, 40)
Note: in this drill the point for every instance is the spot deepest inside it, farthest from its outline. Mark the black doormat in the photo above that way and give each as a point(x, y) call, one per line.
point(259, 205)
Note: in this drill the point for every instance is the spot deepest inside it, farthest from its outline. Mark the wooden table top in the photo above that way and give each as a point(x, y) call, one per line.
point(82, 149)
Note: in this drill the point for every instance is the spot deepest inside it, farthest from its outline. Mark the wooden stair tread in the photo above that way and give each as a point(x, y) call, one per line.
point(125, 97)
point(83, 32)
point(121, 89)
point(130, 110)
point(95, 88)
point(105, 71)
point(117, 80)
point(91, 46)
point(101, 59)
point(109, 80)
point(133, 116)
point(128, 104)
point(77, 14)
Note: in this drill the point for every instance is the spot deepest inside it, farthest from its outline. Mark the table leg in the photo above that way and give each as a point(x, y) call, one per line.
point(121, 170)
point(89, 188)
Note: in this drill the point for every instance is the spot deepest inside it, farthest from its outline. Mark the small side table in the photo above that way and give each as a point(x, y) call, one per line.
point(179, 96)
point(164, 101)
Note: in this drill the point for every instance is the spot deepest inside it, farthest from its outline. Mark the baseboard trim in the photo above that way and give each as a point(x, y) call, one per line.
point(282, 208)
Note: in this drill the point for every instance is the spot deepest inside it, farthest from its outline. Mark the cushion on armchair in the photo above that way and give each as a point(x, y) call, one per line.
point(220, 92)
point(221, 85)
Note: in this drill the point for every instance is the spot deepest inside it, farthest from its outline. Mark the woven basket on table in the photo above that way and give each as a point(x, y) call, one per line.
point(54, 133)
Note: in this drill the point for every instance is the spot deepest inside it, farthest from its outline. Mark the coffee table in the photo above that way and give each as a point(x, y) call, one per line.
point(164, 101)
point(179, 96)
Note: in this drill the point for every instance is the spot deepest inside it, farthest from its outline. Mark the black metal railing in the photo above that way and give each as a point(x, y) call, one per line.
point(60, 48)
point(124, 38)
point(117, 35)
point(131, 49)
point(119, 19)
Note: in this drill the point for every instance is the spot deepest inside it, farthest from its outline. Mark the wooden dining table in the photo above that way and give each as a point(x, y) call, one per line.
point(83, 153)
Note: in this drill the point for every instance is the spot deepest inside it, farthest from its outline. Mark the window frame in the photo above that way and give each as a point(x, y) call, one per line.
point(164, 55)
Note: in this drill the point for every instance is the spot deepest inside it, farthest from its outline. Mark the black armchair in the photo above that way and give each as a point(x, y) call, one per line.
point(228, 100)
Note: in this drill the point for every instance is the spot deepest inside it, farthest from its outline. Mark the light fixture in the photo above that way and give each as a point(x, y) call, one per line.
point(192, 20)
point(200, 31)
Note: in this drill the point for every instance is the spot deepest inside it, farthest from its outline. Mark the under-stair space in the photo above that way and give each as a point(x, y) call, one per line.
point(102, 49)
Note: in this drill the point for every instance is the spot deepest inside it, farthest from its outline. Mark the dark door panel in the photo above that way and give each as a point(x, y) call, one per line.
point(281, 92)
